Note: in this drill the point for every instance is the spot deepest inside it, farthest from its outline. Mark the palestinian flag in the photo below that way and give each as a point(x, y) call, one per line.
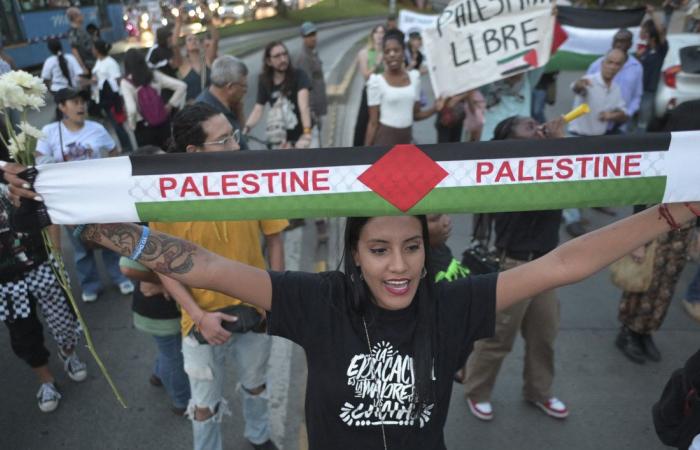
point(514, 175)
point(590, 33)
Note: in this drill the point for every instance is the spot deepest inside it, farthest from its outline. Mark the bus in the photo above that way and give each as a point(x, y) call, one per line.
point(26, 25)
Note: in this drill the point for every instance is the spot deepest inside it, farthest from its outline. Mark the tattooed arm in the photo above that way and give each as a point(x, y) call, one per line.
point(186, 262)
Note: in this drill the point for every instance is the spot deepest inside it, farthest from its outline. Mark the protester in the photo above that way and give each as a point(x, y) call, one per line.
point(200, 53)
point(449, 122)
point(414, 57)
point(474, 110)
point(158, 315)
point(544, 93)
point(79, 39)
point(165, 57)
point(201, 128)
point(148, 115)
point(629, 79)
point(607, 111)
point(309, 61)
point(391, 22)
point(651, 55)
point(28, 281)
point(74, 138)
point(59, 70)
point(508, 97)
point(521, 237)
point(286, 90)
point(370, 60)
point(105, 93)
point(229, 84)
point(379, 314)
point(393, 98)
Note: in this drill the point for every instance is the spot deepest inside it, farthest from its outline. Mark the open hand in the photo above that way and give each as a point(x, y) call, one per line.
point(18, 187)
point(210, 327)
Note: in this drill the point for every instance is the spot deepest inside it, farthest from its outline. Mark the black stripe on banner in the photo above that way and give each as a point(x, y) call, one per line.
point(600, 18)
point(329, 157)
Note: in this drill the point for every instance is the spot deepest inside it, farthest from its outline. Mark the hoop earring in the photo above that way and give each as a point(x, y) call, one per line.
point(424, 272)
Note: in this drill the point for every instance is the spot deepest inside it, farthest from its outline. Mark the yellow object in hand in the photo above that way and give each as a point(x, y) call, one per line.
point(577, 112)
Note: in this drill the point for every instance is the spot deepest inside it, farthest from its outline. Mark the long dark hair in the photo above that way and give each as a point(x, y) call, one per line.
point(425, 355)
point(56, 48)
point(653, 33)
point(506, 128)
point(136, 69)
point(268, 73)
point(187, 127)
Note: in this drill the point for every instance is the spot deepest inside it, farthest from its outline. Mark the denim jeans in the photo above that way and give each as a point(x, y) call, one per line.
point(86, 267)
point(571, 215)
point(693, 294)
point(205, 366)
point(170, 369)
point(539, 99)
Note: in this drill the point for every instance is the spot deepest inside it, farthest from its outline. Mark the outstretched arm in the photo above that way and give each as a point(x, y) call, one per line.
point(583, 256)
point(186, 262)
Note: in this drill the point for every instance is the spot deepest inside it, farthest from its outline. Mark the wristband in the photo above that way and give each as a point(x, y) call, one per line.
point(307, 130)
point(141, 244)
point(693, 210)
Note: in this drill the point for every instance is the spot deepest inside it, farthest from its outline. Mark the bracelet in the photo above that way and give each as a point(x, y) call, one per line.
point(141, 244)
point(666, 214)
point(693, 210)
point(307, 130)
point(77, 231)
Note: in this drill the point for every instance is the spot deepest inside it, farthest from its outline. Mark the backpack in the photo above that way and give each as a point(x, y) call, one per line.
point(280, 118)
point(151, 106)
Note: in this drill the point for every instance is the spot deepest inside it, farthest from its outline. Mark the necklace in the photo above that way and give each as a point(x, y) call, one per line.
point(380, 403)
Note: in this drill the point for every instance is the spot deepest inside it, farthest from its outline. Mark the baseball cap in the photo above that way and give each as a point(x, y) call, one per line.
point(307, 28)
point(70, 93)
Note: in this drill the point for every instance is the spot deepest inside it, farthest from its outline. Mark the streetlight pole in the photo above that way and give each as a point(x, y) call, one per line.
point(392, 6)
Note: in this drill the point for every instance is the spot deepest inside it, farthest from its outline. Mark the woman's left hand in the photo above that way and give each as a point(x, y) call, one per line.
point(439, 103)
point(18, 187)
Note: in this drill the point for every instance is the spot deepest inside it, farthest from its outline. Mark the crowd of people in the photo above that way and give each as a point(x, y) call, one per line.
point(402, 295)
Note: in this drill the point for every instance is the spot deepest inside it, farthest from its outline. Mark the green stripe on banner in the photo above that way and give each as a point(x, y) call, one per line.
point(564, 60)
point(511, 58)
point(479, 199)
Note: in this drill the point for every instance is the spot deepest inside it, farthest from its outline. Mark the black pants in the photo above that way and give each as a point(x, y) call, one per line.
point(448, 134)
point(27, 338)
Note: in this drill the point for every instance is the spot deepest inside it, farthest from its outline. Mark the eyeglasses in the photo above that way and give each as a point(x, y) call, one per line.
point(235, 137)
point(278, 55)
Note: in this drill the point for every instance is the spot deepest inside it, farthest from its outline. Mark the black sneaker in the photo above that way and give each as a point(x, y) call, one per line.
point(630, 344)
point(650, 349)
point(267, 445)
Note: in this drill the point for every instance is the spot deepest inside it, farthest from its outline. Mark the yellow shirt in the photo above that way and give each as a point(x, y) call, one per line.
point(238, 240)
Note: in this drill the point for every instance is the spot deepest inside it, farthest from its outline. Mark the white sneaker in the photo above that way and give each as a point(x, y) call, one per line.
point(74, 367)
point(48, 397)
point(89, 297)
point(481, 410)
point(126, 287)
point(554, 408)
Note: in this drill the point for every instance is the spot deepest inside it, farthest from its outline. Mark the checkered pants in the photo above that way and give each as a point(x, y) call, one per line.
point(41, 284)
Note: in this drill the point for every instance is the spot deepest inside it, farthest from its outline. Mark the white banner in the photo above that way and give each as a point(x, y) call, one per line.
point(410, 21)
point(475, 42)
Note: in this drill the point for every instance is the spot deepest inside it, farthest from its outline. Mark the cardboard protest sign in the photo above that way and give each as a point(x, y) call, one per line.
point(476, 42)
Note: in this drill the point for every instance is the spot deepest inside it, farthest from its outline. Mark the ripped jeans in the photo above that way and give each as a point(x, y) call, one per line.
point(205, 367)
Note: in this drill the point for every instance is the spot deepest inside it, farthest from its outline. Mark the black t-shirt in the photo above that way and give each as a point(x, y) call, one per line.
point(155, 307)
point(265, 95)
point(314, 311)
point(528, 232)
point(652, 61)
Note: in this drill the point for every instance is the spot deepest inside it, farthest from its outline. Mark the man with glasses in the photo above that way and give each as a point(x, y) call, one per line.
point(206, 344)
point(229, 84)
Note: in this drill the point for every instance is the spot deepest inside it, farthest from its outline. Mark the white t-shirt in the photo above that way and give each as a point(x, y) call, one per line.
point(107, 69)
point(395, 103)
point(52, 71)
point(87, 143)
point(600, 98)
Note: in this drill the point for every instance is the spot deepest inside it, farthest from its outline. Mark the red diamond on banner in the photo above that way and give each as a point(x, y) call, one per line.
point(403, 176)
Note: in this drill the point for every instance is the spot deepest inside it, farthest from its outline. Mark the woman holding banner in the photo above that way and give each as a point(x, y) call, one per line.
point(393, 97)
point(381, 350)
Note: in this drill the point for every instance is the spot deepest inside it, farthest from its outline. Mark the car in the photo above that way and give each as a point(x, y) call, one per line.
point(680, 73)
point(234, 9)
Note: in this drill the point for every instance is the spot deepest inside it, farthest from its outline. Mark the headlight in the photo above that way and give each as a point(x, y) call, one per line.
point(213, 6)
point(191, 13)
point(199, 10)
point(220, 10)
point(201, 16)
point(125, 17)
point(144, 17)
point(238, 10)
point(175, 12)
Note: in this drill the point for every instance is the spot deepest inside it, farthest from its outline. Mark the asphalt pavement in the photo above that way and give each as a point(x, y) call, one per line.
point(609, 397)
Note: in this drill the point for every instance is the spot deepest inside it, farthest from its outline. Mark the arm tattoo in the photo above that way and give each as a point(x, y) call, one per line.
point(163, 253)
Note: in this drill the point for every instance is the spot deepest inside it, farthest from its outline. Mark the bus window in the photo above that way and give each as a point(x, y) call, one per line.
point(35, 5)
